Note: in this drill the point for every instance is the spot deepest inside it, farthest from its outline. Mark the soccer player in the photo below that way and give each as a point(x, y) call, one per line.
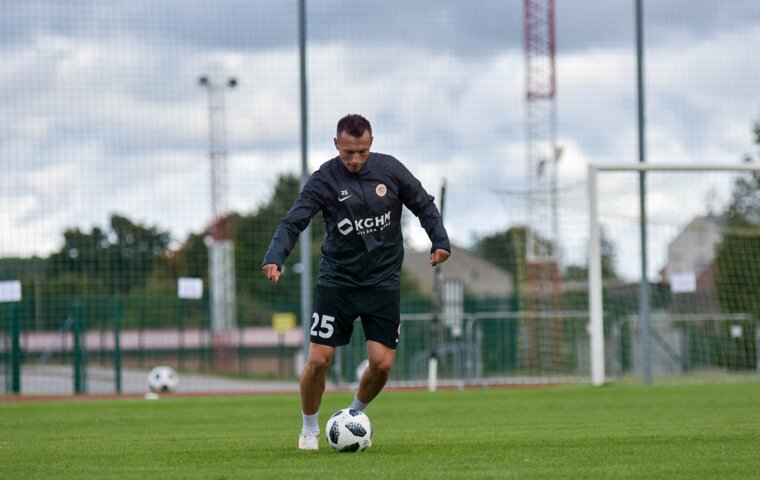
point(360, 194)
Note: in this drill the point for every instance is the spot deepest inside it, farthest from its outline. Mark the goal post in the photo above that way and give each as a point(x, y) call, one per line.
point(595, 254)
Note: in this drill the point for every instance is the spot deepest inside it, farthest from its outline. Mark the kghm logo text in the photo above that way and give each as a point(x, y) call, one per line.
point(364, 226)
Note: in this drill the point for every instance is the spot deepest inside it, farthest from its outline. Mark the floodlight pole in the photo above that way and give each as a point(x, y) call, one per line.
point(305, 247)
point(221, 248)
point(644, 336)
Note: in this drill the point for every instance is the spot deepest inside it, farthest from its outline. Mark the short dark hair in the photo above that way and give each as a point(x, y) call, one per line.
point(354, 125)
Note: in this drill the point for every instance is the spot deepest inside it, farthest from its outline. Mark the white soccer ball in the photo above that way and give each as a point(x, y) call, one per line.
point(163, 379)
point(349, 431)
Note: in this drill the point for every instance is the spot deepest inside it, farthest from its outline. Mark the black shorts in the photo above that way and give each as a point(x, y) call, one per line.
point(336, 308)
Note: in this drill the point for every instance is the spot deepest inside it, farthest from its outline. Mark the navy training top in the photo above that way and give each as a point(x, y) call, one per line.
point(364, 246)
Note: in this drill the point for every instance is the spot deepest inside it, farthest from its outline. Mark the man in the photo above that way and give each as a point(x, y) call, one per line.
point(361, 195)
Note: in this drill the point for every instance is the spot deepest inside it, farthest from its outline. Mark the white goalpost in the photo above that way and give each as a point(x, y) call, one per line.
point(595, 254)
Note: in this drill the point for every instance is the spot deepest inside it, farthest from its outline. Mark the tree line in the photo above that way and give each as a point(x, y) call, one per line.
point(132, 261)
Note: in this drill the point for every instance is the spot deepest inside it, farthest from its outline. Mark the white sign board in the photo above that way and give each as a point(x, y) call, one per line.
point(737, 331)
point(190, 288)
point(10, 291)
point(453, 305)
point(683, 282)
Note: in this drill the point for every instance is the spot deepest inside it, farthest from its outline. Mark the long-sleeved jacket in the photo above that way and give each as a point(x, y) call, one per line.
point(364, 246)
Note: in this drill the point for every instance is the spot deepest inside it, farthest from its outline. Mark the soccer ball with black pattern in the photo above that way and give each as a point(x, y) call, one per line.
point(163, 379)
point(349, 431)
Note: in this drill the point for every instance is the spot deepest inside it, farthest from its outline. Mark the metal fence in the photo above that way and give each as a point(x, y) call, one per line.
point(473, 349)
point(486, 348)
point(148, 142)
point(690, 346)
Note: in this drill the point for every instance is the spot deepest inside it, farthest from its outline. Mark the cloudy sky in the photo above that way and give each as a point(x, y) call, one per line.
point(102, 112)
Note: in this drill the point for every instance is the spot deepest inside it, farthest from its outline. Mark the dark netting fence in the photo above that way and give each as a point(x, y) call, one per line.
point(150, 149)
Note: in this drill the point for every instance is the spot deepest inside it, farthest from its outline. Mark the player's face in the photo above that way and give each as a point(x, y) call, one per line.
point(353, 151)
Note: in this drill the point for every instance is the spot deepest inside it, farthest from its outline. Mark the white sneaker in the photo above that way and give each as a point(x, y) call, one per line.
point(308, 441)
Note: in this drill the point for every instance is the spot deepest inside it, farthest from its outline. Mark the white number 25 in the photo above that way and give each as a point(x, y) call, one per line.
point(325, 326)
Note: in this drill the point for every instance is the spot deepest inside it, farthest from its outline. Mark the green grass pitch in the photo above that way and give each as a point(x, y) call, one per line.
point(698, 431)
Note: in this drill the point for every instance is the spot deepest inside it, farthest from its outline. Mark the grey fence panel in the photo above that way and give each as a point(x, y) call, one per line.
point(690, 347)
point(482, 349)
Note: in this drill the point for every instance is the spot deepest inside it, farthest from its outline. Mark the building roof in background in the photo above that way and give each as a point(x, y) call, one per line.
point(480, 277)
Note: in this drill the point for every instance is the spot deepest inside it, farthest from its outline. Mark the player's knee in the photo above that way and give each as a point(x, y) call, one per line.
point(318, 364)
point(382, 366)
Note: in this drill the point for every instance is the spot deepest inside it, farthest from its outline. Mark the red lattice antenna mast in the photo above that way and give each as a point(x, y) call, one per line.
point(540, 94)
point(542, 289)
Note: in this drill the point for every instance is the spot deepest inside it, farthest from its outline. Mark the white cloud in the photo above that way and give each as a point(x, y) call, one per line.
point(28, 221)
point(100, 123)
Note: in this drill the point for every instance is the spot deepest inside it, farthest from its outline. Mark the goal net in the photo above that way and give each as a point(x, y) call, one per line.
point(697, 313)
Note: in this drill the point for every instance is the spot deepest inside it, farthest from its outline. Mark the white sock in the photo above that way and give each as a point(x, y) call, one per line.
point(310, 423)
point(358, 405)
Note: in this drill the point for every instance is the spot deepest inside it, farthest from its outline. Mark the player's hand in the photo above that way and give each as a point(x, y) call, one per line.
point(438, 256)
point(272, 272)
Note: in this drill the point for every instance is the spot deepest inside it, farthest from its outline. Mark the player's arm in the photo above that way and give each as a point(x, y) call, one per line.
point(422, 205)
point(297, 219)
